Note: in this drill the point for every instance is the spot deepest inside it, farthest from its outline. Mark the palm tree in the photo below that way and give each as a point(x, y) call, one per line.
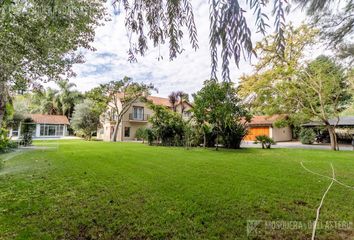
point(173, 98)
point(49, 102)
point(67, 97)
point(183, 97)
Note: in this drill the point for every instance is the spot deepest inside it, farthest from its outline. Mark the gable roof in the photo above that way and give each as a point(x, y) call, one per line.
point(49, 119)
point(343, 121)
point(159, 101)
point(265, 120)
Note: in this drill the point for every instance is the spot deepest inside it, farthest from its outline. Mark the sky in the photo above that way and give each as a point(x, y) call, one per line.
point(186, 73)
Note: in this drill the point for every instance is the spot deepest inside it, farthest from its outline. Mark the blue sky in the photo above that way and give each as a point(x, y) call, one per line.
point(186, 73)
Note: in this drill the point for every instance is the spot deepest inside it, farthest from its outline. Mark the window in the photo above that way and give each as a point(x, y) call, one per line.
point(127, 132)
point(138, 113)
point(51, 130)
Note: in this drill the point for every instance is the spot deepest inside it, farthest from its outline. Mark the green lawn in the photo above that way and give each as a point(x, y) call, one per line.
point(97, 190)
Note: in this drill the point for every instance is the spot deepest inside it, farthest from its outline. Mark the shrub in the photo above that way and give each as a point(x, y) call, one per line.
point(233, 135)
point(307, 136)
point(27, 132)
point(5, 143)
point(151, 136)
point(141, 133)
point(265, 141)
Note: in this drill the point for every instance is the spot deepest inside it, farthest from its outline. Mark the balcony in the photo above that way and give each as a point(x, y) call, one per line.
point(139, 118)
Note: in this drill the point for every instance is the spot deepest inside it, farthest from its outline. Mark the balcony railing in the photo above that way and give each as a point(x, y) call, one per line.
point(139, 118)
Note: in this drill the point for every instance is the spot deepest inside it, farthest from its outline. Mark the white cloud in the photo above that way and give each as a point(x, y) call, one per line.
point(186, 73)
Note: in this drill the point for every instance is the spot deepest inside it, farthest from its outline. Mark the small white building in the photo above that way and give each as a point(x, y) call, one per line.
point(44, 126)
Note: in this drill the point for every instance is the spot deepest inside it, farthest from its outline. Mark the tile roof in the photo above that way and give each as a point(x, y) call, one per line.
point(160, 101)
point(265, 120)
point(49, 119)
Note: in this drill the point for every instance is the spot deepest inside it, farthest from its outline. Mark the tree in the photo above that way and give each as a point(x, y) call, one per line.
point(37, 47)
point(178, 98)
point(259, 89)
point(163, 21)
point(336, 22)
point(173, 99)
point(321, 91)
point(141, 133)
point(99, 96)
point(168, 126)
point(48, 101)
point(67, 98)
point(85, 119)
point(217, 104)
point(121, 95)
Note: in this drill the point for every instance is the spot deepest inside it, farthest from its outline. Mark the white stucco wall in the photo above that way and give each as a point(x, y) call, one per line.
point(281, 134)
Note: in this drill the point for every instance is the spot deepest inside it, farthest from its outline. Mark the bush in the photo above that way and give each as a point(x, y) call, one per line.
point(307, 136)
point(265, 141)
point(27, 131)
point(141, 134)
point(150, 136)
point(5, 143)
point(233, 135)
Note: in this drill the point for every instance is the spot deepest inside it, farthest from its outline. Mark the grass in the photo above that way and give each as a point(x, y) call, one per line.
point(97, 190)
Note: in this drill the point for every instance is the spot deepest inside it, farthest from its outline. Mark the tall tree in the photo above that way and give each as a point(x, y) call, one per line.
point(173, 99)
point(218, 105)
point(321, 91)
point(121, 95)
point(259, 89)
point(85, 119)
point(335, 19)
point(67, 97)
point(39, 47)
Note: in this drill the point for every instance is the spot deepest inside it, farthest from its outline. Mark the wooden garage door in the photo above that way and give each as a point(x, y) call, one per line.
point(253, 132)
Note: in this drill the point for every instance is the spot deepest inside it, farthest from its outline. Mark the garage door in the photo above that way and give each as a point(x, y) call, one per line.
point(253, 132)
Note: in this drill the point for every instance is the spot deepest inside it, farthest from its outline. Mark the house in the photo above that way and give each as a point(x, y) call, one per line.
point(344, 127)
point(44, 126)
point(265, 125)
point(136, 117)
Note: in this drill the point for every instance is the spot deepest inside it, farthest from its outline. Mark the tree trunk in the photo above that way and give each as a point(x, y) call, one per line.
point(217, 142)
point(204, 140)
point(333, 137)
point(3, 101)
point(115, 132)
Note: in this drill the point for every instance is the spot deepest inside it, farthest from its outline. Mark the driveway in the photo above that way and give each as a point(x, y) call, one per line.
point(249, 144)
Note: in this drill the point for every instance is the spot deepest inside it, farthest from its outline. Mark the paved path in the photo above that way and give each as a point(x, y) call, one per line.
point(298, 145)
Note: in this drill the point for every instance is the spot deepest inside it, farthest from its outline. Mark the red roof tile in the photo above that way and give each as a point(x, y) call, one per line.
point(49, 119)
point(160, 101)
point(265, 120)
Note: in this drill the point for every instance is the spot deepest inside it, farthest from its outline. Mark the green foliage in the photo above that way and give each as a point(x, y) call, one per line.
point(218, 110)
point(265, 141)
point(263, 89)
point(27, 130)
point(39, 41)
point(141, 134)
point(151, 136)
point(121, 95)
point(85, 119)
point(168, 126)
point(307, 136)
point(99, 96)
point(4, 140)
